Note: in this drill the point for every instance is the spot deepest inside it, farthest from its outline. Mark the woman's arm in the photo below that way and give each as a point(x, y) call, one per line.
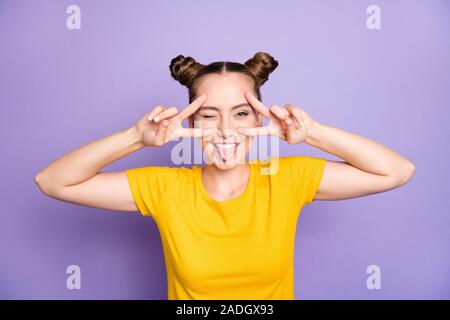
point(75, 177)
point(369, 167)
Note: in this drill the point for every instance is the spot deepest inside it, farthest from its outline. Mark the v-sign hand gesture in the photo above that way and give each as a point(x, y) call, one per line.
point(162, 125)
point(289, 123)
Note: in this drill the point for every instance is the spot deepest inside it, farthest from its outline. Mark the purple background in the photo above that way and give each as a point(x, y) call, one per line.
point(61, 89)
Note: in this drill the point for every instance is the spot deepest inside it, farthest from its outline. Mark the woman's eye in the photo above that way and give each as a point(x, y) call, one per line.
point(242, 113)
point(207, 116)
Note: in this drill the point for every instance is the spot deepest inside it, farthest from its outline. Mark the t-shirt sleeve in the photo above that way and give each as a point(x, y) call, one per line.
point(304, 174)
point(148, 186)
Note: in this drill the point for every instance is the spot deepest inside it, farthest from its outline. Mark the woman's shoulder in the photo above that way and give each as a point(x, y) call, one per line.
point(168, 173)
point(276, 160)
point(279, 165)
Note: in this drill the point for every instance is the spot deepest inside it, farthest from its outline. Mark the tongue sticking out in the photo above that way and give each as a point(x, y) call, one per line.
point(226, 153)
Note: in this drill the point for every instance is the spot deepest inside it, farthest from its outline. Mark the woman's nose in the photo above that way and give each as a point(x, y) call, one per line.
point(227, 128)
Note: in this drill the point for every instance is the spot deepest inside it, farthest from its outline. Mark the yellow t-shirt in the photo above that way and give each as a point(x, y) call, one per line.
point(242, 248)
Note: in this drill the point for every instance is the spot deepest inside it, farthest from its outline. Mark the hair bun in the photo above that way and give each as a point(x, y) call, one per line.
point(261, 65)
point(184, 69)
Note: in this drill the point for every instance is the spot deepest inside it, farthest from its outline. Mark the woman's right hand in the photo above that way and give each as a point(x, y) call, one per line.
point(162, 125)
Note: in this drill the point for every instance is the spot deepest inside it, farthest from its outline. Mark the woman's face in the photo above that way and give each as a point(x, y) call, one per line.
point(224, 111)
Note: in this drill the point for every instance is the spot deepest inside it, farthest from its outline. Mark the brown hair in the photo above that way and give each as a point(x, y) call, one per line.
point(187, 71)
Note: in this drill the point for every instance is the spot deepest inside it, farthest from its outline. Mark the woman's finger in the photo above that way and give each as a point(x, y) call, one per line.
point(170, 134)
point(278, 112)
point(154, 112)
point(262, 131)
point(258, 105)
point(165, 114)
point(298, 117)
point(255, 131)
point(293, 110)
point(191, 108)
point(162, 132)
point(194, 132)
point(291, 130)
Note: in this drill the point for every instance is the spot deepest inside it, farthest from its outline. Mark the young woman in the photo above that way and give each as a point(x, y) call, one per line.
point(227, 228)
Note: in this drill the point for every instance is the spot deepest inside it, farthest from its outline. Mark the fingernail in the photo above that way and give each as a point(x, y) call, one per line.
point(150, 118)
point(165, 123)
point(156, 119)
point(288, 122)
point(302, 124)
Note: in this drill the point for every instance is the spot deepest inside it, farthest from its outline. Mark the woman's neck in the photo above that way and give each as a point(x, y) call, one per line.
point(225, 184)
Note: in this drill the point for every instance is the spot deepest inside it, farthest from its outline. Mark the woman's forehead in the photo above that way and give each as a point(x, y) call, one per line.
point(219, 108)
point(225, 102)
point(228, 87)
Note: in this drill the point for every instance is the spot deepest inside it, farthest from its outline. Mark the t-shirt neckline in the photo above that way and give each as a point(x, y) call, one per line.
point(234, 201)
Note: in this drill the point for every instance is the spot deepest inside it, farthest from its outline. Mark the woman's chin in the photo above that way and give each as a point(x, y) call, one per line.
point(226, 164)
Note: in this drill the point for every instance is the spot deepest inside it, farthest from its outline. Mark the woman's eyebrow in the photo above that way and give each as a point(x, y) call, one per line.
point(217, 109)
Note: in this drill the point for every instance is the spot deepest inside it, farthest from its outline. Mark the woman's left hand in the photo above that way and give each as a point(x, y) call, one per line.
point(289, 123)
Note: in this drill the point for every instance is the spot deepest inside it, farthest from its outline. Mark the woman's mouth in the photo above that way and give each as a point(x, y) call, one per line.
point(225, 150)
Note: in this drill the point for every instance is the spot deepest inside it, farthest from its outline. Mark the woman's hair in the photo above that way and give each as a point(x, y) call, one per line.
point(187, 71)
